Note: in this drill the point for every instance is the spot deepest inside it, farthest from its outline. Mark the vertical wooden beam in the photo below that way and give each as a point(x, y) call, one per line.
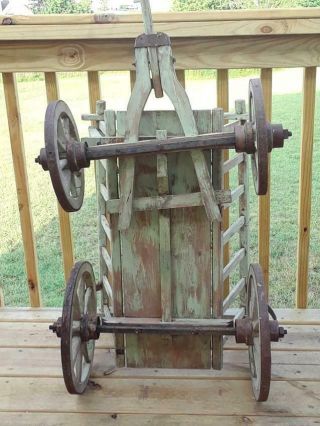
point(94, 89)
point(21, 178)
point(217, 261)
point(264, 201)
point(165, 235)
point(223, 102)
point(52, 90)
point(309, 96)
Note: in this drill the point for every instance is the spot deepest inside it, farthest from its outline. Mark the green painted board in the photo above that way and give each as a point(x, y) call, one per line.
point(190, 248)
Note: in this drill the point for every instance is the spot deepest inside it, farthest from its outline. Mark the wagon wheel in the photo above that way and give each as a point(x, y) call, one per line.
point(259, 158)
point(79, 315)
point(260, 347)
point(61, 129)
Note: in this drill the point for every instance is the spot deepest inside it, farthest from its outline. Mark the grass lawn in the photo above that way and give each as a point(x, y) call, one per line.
point(115, 87)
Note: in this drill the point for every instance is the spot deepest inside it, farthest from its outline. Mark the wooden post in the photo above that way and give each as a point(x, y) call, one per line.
point(223, 102)
point(309, 93)
point(264, 201)
point(52, 90)
point(94, 89)
point(21, 178)
point(217, 261)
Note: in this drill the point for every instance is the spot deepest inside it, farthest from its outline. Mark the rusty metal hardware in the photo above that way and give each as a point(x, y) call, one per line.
point(152, 40)
point(65, 156)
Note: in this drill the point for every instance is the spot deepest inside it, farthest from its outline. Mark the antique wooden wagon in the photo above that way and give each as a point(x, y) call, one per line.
point(161, 199)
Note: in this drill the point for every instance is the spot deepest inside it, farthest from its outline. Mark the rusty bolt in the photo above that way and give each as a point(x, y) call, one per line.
point(282, 332)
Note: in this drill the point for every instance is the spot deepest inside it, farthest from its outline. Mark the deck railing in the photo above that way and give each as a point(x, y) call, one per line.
point(264, 39)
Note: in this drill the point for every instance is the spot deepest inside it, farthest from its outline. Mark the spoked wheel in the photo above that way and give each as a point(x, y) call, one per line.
point(79, 321)
point(61, 130)
point(261, 130)
point(260, 345)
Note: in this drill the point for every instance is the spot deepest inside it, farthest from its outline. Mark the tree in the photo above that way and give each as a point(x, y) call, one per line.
point(193, 5)
point(60, 6)
point(309, 3)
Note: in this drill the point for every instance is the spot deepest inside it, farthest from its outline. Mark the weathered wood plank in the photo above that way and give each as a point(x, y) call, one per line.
point(52, 90)
point(22, 187)
point(165, 235)
point(234, 262)
point(217, 248)
point(46, 362)
point(266, 28)
point(235, 291)
point(194, 16)
point(37, 335)
point(165, 201)
point(234, 228)
point(308, 116)
point(233, 162)
point(47, 315)
point(199, 53)
point(111, 396)
point(82, 419)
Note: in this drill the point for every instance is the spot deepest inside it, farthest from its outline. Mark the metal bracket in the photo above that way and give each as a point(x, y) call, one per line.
point(152, 40)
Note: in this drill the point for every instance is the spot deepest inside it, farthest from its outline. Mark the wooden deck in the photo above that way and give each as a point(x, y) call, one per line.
point(32, 391)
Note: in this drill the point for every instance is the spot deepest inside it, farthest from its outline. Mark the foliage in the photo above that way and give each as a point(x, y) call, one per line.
point(60, 6)
point(193, 5)
point(309, 3)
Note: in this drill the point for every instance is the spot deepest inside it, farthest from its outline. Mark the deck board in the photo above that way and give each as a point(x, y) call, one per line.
point(32, 389)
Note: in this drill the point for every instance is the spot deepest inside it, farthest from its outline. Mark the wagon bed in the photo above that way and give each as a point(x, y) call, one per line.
point(32, 390)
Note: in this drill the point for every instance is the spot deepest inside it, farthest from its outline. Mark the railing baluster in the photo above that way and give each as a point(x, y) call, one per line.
point(21, 178)
point(264, 201)
point(223, 102)
point(309, 94)
point(52, 89)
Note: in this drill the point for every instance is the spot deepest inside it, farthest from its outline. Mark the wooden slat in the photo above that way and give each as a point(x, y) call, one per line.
point(237, 192)
point(37, 335)
point(36, 315)
point(46, 362)
point(267, 28)
point(21, 180)
point(70, 419)
point(165, 235)
point(196, 397)
point(165, 201)
point(233, 162)
point(106, 226)
point(234, 262)
point(308, 114)
point(234, 228)
point(223, 102)
point(264, 201)
point(199, 53)
point(115, 275)
point(198, 16)
point(217, 248)
point(234, 293)
point(52, 90)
